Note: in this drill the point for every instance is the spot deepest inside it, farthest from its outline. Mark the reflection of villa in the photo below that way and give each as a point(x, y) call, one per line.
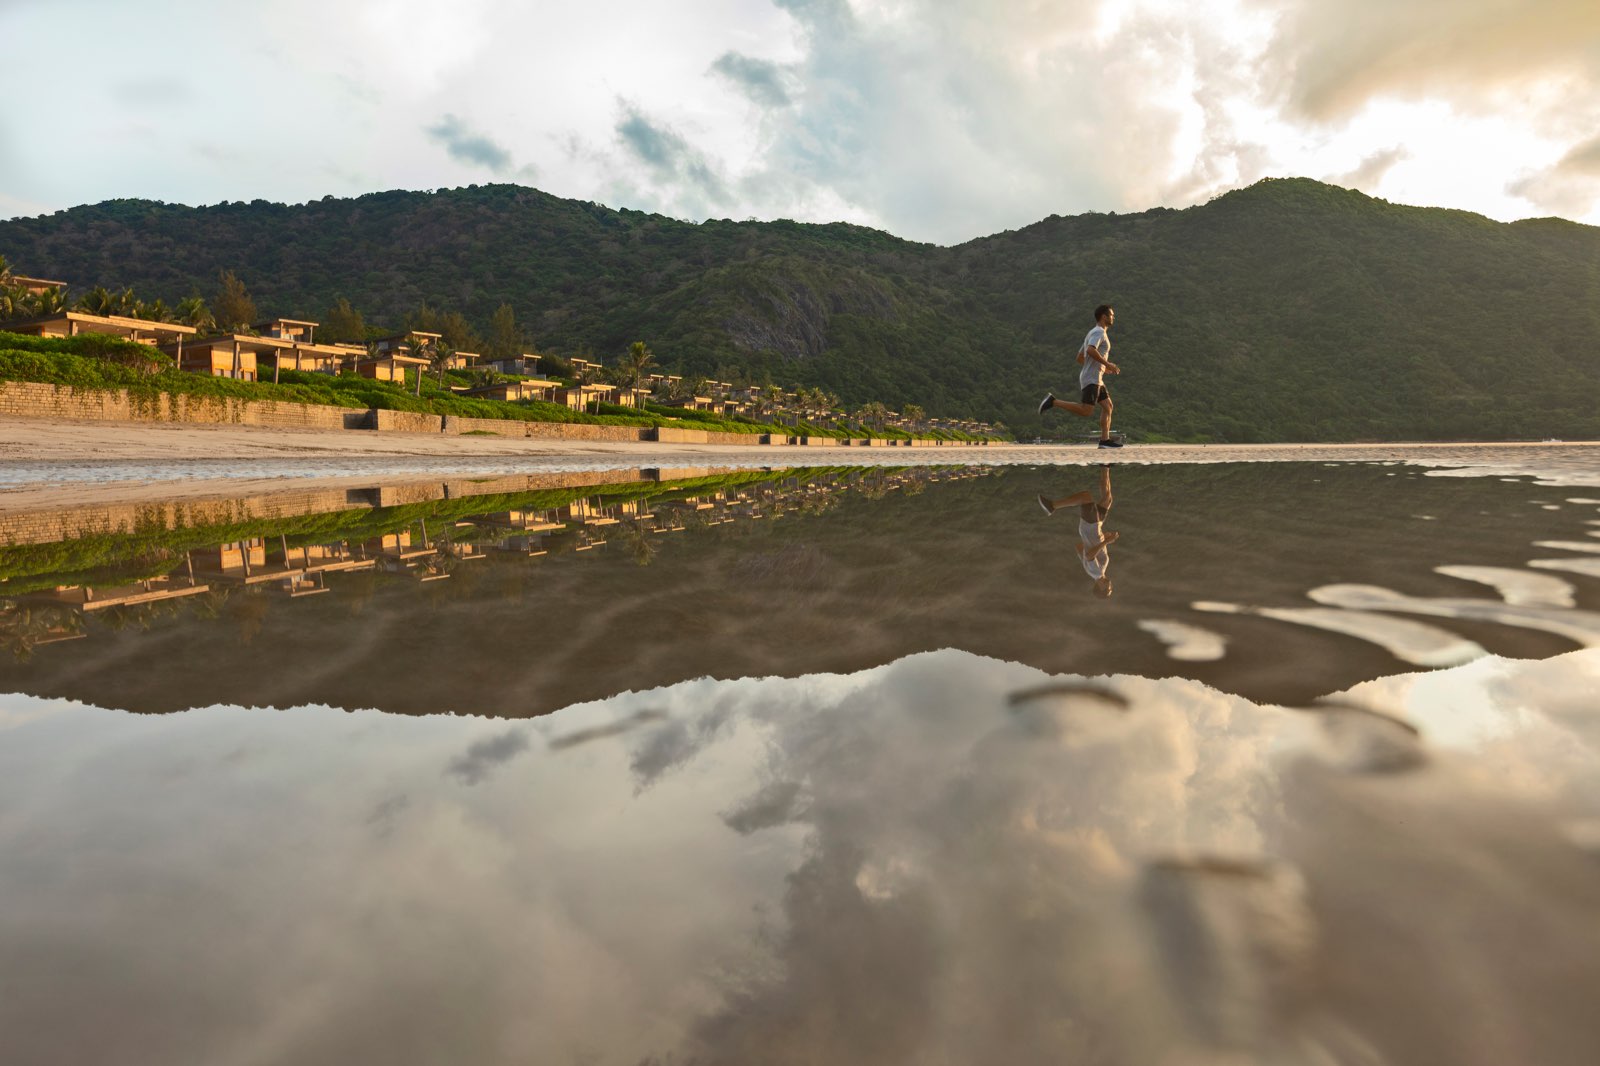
point(590, 512)
point(298, 571)
point(397, 554)
point(150, 590)
point(579, 526)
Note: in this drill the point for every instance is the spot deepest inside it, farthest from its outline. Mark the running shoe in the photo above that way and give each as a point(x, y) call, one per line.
point(1049, 400)
point(1049, 508)
point(1111, 444)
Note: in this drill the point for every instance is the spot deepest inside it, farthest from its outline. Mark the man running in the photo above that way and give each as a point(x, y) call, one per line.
point(1095, 355)
point(1093, 537)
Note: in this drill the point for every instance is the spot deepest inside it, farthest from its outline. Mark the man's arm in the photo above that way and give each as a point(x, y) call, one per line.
point(1094, 353)
point(1104, 542)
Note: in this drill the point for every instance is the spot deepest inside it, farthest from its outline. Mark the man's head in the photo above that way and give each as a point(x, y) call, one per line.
point(1102, 587)
point(1104, 315)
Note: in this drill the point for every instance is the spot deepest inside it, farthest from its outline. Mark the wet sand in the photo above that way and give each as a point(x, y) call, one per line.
point(48, 463)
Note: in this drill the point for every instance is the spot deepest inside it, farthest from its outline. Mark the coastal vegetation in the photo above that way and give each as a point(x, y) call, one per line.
point(1290, 310)
point(95, 361)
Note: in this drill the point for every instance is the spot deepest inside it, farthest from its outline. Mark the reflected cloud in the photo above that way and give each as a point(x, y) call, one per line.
point(602, 732)
point(1410, 642)
point(1581, 627)
point(947, 858)
point(480, 760)
point(1517, 587)
point(1185, 642)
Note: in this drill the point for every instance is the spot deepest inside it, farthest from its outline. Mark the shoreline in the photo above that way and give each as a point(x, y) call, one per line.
point(53, 463)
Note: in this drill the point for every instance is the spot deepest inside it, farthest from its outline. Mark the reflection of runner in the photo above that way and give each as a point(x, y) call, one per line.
point(1093, 538)
point(1095, 355)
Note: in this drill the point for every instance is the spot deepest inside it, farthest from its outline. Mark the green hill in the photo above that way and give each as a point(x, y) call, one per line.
point(1290, 310)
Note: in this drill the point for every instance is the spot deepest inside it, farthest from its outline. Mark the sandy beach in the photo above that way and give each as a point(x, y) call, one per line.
point(45, 463)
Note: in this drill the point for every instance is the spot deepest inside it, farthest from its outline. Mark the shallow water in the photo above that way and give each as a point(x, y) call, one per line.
point(818, 766)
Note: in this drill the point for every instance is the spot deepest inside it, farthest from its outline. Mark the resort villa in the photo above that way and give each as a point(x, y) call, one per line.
point(577, 397)
point(525, 365)
point(290, 344)
point(514, 391)
point(72, 323)
point(37, 286)
point(392, 356)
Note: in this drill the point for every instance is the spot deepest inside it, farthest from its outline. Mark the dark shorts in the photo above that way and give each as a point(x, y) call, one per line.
point(1094, 394)
point(1092, 512)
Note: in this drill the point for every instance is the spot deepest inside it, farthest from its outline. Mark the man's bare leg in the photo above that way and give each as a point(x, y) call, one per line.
point(1100, 497)
point(1082, 410)
point(1077, 499)
point(1105, 418)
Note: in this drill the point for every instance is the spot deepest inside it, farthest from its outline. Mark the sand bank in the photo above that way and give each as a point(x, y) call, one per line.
point(62, 463)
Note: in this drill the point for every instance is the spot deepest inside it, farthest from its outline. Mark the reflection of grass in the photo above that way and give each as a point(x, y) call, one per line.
point(120, 558)
point(478, 433)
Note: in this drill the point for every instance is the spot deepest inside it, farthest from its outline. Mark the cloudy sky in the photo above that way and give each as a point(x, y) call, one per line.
point(939, 120)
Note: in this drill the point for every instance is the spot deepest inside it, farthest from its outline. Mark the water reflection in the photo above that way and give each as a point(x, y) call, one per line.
point(1093, 505)
point(947, 858)
point(516, 596)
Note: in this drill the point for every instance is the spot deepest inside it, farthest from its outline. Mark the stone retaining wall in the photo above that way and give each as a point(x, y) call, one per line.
point(28, 399)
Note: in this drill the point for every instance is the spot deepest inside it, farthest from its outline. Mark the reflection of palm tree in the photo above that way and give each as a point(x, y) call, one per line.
point(24, 626)
point(641, 548)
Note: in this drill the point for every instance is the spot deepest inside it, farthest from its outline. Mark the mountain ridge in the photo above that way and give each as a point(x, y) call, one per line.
point(1289, 309)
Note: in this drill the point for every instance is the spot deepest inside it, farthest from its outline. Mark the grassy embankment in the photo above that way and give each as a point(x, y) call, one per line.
point(92, 361)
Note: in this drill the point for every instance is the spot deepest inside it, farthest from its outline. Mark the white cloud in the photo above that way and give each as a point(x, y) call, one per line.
point(937, 119)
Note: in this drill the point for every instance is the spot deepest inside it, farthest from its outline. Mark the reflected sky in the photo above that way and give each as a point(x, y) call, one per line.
point(822, 766)
point(948, 858)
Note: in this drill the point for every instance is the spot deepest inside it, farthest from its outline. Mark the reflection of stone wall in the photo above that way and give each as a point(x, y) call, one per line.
point(49, 527)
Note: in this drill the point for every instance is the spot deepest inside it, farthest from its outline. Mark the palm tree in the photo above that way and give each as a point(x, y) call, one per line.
point(154, 311)
point(192, 311)
point(418, 350)
point(439, 356)
point(914, 414)
point(872, 413)
point(48, 302)
point(97, 301)
point(767, 400)
point(634, 364)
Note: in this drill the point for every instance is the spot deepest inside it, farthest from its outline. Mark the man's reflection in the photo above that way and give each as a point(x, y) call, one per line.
point(1093, 538)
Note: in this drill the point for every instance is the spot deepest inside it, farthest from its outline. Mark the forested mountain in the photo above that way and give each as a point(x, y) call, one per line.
point(1289, 310)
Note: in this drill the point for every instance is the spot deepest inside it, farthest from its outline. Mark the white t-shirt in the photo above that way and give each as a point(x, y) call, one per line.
point(1092, 371)
point(1093, 564)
